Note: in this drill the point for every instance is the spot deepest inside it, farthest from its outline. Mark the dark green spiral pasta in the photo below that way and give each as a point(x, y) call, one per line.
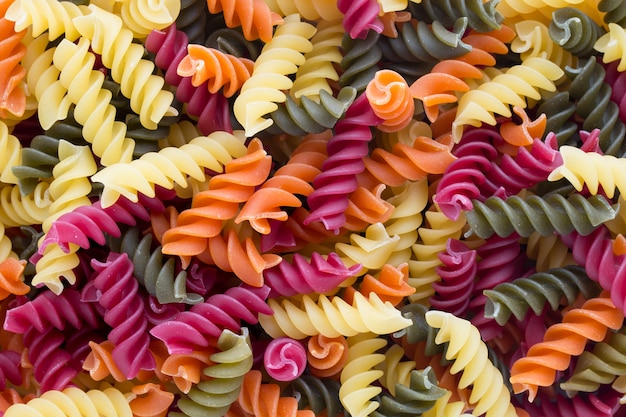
point(39, 159)
point(592, 96)
point(601, 366)
point(537, 290)
point(414, 400)
point(482, 16)
point(426, 43)
point(360, 60)
point(321, 395)
point(309, 116)
point(559, 110)
point(25, 245)
point(192, 19)
point(545, 215)
point(574, 31)
point(615, 11)
point(420, 331)
point(157, 275)
point(232, 42)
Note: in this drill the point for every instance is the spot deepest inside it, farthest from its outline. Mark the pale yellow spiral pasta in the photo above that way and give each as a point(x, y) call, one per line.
point(10, 156)
point(142, 16)
point(169, 166)
point(71, 184)
point(125, 59)
point(445, 408)
point(332, 317)
point(5, 245)
point(279, 58)
point(23, 210)
point(54, 264)
point(308, 9)
point(548, 252)
point(488, 393)
point(52, 16)
point(319, 64)
point(613, 46)
point(512, 88)
point(592, 169)
point(180, 134)
point(372, 250)
point(80, 85)
point(359, 373)
point(395, 369)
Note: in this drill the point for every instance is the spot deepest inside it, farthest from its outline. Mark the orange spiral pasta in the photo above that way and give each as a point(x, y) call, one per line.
point(186, 368)
point(440, 85)
point(295, 177)
point(210, 208)
point(253, 16)
point(367, 207)
point(149, 400)
point(391, 284)
point(218, 69)
point(327, 356)
point(404, 162)
point(236, 252)
point(12, 96)
point(11, 278)
point(484, 45)
point(389, 96)
point(562, 341)
point(258, 399)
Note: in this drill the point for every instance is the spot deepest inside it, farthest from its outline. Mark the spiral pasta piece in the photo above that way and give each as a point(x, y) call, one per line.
point(143, 16)
point(537, 290)
point(230, 365)
point(554, 213)
point(332, 317)
point(74, 401)
point(309, 9)
point(612, 45)
point(210, 208)
point(356, 392)
point(512, 88)
point(360, 17)
point(562, 341)
point(488, 394)
point(360, 60)
point(168, 166)
point(124, 313)
point(481, 16)
point(615, 11)
point(534, 40)
point(391, 100)
point(390, 284)
point(575, 31)
point(22, 210)
point(260, 93)
point(217, 69)
point(254, 16)
point(55, 17)
point(108, 37)
point(326, 356)
point(372, 250)
point(11, 53)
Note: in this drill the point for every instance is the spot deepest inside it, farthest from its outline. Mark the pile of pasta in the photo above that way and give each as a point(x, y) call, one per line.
point(297, 208)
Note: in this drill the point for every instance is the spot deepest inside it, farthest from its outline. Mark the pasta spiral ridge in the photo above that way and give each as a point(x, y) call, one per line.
point(545, 215)
point(169, 166)
point(300, 276)
point(204, 321)
point(257, 398)
point(12, 157)
point(331, 317)
point(337, 179)
point(215, 68)
point(170, 46)
point(360, 17)
point(310, 116)
point(260, 94)
point(10, 369)
point(192, 20)
point(22, 210)
point(537, 290)
point(93, 108)
point(592, 96)
point(426, 43)
point(55, 17)
point(562, 341)
point(457, 272)
point(308, 9)
point(154, 273)
point(11, 53)
point(108, 37)
point(601, 404)
point(254, 16)
point(489, 393)
point(117, 293)
point(318, 394)
point(481, 16)
point(534, 40)
point(417, 398)
point(74, 401)
point(230, 365)
point(50, 361)
point(511, 88)
point(389, 96)
point(575, 31)
point(598, 367)
point(358, 375)
point(53, 310)
point(360, 60)
point(12, 278)
point(141, 16)
point(210, 208)
point(615, 11)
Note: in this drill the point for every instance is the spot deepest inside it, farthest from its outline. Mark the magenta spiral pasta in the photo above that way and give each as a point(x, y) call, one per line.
point(360, 17)
point(124, 312)
point(205, 321)
point(346, 150)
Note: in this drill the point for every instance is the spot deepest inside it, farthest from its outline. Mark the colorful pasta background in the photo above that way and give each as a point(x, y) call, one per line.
point(297, 208)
